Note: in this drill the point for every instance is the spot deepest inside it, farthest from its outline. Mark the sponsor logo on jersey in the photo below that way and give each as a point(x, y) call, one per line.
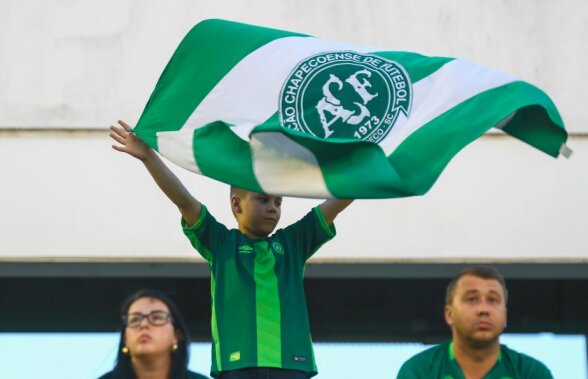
point(235, 356)
point(298, 358)
point(245, 249)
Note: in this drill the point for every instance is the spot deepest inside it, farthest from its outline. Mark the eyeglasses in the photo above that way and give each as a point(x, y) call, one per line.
point(155, 318)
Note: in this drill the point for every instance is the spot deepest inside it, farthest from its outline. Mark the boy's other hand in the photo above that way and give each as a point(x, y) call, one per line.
point(128, 142)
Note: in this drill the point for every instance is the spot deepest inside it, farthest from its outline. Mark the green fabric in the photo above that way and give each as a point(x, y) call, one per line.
point(260, 317)
point(438, 362)
point(187, 66)
point(235, 153)
point(267, 306)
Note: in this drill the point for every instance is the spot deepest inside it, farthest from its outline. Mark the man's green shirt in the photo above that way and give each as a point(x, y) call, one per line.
point(439, 362)
point(259, 313)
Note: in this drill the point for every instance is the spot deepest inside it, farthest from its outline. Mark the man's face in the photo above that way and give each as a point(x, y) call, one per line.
point(477, 313)
point(257, 213)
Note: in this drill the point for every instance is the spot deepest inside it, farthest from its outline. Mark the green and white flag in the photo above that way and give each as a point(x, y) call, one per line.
point(285, 113)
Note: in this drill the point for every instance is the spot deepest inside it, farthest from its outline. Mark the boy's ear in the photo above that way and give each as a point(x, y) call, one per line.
point(235, 204)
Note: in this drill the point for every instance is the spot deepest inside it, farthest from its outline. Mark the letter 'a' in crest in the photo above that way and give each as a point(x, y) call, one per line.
point(345, 95)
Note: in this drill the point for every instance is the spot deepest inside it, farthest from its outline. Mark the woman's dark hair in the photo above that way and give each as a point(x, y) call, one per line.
point(180, 357)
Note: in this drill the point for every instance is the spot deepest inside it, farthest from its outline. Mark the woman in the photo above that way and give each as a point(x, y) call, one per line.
point(153, 340)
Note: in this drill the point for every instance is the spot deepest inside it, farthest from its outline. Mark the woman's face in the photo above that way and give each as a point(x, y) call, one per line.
point(143, 338)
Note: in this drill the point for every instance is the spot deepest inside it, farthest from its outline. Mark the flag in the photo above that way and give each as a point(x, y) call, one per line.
point(290, 114)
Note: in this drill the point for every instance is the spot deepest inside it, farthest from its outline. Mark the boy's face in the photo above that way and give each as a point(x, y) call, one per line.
point(257, 213)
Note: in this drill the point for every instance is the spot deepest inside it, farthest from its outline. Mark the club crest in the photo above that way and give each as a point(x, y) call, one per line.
point(345, 95)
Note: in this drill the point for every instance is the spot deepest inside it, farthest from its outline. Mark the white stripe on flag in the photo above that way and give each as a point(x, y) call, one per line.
point(249, 93)
point(454, 83)
point(242, 130)
point(284, 167)
point(260, 75)
point(177, 146)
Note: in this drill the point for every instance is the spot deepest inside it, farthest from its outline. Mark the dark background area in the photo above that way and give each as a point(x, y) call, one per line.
point(358, 303)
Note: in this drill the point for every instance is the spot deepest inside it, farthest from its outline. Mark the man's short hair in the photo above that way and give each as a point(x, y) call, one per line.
point(484, 272)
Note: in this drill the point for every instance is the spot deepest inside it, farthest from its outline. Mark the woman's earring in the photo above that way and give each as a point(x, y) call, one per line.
point(175, 347)
point(125, 350)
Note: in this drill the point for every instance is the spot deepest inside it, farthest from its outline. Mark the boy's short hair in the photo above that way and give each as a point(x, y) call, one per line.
point(484, 272)
point(237, 191)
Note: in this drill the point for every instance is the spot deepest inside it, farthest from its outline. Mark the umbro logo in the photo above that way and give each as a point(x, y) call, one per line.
point(245, 249)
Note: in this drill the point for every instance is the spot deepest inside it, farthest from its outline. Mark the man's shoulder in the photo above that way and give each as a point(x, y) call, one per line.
point(432, 353)
point(525, 364)
point(425, 361)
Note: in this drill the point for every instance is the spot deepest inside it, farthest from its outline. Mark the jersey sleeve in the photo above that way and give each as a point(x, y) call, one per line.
point(311, 232)
point(206, 234)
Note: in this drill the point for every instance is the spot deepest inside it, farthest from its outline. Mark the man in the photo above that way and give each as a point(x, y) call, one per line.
point(475, 310)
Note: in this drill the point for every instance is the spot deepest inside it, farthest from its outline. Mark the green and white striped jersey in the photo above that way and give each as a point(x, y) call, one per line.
point(259, 312)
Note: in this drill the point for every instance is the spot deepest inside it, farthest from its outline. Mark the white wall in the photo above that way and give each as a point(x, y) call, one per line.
point(67, 194)
point(82, 64)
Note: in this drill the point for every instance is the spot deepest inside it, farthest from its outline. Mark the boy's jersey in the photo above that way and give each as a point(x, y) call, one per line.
point(259, 314)
point(439, 362)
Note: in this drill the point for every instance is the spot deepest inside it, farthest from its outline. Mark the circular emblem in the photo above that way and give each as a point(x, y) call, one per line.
point(278, 248)
point(345, 95)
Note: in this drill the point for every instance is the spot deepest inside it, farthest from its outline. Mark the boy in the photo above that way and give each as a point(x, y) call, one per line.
point(260, 325)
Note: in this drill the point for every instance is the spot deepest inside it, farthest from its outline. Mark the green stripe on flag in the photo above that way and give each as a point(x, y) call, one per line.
point(343, 167)
point(200, 58)
point(547, 131)
point(220, 153)
point(421, 158)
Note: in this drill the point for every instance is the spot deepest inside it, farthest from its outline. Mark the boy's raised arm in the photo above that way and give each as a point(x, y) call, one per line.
point(129, 143)
point(332, 207)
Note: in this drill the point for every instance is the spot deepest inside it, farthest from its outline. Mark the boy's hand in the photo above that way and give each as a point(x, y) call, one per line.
point(129, 142)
